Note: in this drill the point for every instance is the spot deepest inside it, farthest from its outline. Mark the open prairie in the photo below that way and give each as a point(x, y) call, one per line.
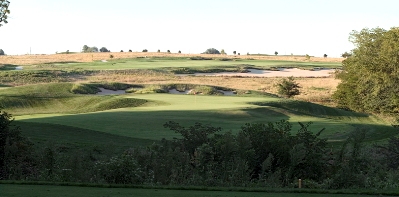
point(89, 57)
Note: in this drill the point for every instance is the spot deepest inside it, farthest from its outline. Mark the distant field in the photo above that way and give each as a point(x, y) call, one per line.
point(8, 190)
point(174, 63)
point(89, 57)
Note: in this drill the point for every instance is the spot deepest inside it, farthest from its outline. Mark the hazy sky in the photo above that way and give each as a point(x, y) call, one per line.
point(311, 27)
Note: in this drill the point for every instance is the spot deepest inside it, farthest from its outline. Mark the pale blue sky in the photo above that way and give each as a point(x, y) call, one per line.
point(311, 27)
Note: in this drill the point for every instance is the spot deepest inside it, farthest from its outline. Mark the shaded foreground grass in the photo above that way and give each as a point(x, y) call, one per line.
point(11, 190)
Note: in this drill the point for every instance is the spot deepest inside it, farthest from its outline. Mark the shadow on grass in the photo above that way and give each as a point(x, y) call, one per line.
point(8, 67)
point(66, 62)
point(311, 109)
point(77, 137)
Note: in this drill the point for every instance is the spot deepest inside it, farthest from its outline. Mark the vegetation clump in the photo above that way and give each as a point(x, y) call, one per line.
point(288, 87)
point(211, 51)
point(369, 80)
point(84, 89)
point(200, 58)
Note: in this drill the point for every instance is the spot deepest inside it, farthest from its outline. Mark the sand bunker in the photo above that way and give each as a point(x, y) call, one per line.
point(295, 72)
point(226, 93)
point(174, 91)
point(110, 92)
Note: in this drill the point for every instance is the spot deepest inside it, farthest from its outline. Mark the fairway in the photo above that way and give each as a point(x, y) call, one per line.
point(227, 112)
point(8, 190)
point(173, 63)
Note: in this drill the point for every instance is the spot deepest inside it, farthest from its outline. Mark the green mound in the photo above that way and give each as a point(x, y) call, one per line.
point(59, 98)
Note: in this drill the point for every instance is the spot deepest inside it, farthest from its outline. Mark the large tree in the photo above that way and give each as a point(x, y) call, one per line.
point(370, 77)
point(211, 51)
point(4, 11)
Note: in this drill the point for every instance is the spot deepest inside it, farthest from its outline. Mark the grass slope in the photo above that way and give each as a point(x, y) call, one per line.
point(58, 98)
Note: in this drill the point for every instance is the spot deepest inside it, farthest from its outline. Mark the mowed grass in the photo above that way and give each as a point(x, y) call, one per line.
point(10, 190)
point(157, 63)
point(145, 121)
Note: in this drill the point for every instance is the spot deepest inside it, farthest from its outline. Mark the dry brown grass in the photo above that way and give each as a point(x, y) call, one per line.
point(88, 57)
point(317, 90)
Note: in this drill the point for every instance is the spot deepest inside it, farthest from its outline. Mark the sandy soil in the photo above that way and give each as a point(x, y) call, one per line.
point(110, 92)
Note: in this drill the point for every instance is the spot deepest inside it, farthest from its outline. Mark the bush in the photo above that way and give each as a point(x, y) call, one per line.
point(121, 51)
point(307, 57)
point(2, 52)
point(288, 87)
point(159, 51)
point(145, 50)
point(168, 51)
point(179, 51)
point(111, 56)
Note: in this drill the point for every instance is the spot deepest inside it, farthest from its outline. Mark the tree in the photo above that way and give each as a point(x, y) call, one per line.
point(159, 51)
point(104, 49)
point(370, 76)
point(288, 87)
point(14, 149)
point(179, 51)
point(87, 49)
point(121, 51)
point(168, 51)
point(234, 52)
point(4, 11)
point(130, 50)
point(93, 49)
point(222, 52)
point(325, 55)
point(2, 52)
point(346, 54)
point(275, 53)
point(211, 51)
point(145, 50)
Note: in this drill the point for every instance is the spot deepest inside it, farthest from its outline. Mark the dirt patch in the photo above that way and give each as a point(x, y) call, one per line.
point(111, 92)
